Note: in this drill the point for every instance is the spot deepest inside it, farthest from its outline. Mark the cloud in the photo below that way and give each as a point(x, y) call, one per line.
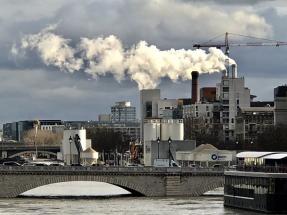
point(163, 22)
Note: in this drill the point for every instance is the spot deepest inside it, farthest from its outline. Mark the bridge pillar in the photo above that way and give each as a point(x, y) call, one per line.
point(173, 186)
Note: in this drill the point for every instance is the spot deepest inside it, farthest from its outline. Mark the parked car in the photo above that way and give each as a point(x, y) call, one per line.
point(55, 164)
point(76, 164)
point(218, 166)
point(11, 163)
point(165, 163)
point(195, 166)
point(40, 164)
point(28, 164)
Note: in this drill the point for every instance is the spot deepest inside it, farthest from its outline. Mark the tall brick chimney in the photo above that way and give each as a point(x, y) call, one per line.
point(194, 87)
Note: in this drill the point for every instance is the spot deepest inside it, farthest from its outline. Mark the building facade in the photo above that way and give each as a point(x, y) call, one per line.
point(148, 106)
point(16, 130)
point(208, 94)
point(253, 121)
point(201, 118)
point(123, 112)
point(280, 100)
point(167, 108)
point(232, 94)
point(105, 118)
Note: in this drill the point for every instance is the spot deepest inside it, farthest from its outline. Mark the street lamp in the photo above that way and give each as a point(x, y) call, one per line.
point(158, 141)
point(169, 142)
point(70, 141)
point(77, 140)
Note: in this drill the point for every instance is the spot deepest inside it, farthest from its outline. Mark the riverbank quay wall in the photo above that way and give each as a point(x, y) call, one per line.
point(146, 181)
point(259, 191)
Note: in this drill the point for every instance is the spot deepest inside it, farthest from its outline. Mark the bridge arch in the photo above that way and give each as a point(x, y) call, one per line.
point(198, 185)
point(33, 152)
point(133, 188)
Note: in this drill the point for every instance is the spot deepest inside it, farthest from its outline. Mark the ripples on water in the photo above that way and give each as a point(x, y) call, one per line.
point(117, 205)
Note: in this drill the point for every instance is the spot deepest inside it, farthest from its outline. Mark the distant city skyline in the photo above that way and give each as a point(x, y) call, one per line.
point(29, 89)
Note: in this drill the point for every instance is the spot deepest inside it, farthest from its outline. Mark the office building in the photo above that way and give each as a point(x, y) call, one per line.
point(253, 121)
point(105, 118)
point(123, 112)
point(16, 130)
point(280, 110)
point(232, 94)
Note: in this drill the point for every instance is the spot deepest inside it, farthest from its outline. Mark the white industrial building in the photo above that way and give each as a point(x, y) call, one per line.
point(158, 126)
point(233, 95)
point(157, 132)
point(163, 129)
point(69, 149)
point(205, 155)
point(148, 106)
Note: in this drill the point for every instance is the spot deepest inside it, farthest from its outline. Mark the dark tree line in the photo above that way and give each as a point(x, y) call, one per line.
point(104, 139)
point(272, 139)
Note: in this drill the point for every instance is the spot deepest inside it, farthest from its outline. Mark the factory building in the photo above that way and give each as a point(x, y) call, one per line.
point(123, 112)
point(232, 94)
point(253, 121)
point(157, 132)
point(280, 110)
point(162, 121)
point(208, 94)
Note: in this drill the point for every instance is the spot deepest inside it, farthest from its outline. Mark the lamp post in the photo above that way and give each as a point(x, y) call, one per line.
point(77, 140)
point(158, 141)
point(70, 141)
point(169, 142)
point(36, 125)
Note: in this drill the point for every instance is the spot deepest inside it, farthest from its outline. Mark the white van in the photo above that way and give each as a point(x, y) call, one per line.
point(164, 163)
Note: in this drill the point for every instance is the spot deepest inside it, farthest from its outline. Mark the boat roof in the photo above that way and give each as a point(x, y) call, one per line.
point(249, 154)
point(276, 156)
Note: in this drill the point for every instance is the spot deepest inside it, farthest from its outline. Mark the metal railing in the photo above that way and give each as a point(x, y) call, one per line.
point(267, 169)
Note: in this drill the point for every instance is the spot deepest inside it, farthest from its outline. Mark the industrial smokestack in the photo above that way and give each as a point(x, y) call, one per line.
point(234, 70)
point(195, 87)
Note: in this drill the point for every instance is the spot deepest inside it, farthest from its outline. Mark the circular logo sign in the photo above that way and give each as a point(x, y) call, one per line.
point(214, 157)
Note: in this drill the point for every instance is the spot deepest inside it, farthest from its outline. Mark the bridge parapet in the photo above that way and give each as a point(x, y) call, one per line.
point(100, 169)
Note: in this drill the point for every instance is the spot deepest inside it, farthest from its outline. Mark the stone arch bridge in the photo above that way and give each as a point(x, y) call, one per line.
point(146, 181)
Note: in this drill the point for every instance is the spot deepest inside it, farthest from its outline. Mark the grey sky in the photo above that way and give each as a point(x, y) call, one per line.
point(30, 90)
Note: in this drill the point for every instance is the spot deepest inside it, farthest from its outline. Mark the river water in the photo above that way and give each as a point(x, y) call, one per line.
point(62, 204)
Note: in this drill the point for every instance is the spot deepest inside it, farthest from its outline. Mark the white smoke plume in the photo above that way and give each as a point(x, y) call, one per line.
point(143, 63)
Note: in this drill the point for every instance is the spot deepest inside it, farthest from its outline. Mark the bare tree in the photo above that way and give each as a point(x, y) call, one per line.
point(42, 138)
